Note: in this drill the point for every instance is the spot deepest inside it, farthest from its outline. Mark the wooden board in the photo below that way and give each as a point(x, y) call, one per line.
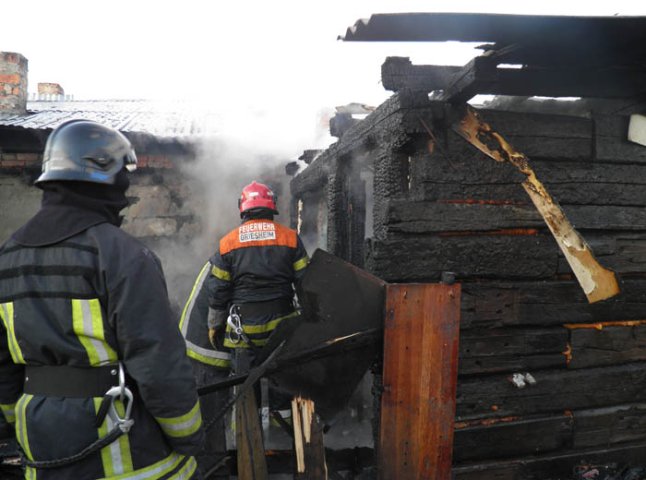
point(419, 380)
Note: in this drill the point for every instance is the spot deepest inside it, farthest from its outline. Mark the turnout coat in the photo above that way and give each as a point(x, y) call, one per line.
point(88, 303)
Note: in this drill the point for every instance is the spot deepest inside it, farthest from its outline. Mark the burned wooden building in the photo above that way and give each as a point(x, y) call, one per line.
point(547, 379)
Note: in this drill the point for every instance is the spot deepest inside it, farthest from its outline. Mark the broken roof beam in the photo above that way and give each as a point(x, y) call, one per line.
point(483, 76)
point(564, 41)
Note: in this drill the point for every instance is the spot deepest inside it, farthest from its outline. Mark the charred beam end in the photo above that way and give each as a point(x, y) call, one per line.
point(398, 73)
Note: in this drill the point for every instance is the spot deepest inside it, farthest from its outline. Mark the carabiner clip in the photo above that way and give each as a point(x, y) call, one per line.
point(235, 325)
point(125, 395)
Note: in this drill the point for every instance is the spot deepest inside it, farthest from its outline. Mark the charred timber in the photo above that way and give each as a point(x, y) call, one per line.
point(544, 304)
point(480, 76)
point(556, 465)
point(497, 394)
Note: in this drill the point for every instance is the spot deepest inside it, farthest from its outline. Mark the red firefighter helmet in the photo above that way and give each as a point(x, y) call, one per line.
point(257, 195)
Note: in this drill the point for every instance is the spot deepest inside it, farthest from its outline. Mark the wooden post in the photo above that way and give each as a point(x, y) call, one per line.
point(308, 441)
point(252, 464)
point(419, 379)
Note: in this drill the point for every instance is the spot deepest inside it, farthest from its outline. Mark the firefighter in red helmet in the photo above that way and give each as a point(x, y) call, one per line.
point(255, 268)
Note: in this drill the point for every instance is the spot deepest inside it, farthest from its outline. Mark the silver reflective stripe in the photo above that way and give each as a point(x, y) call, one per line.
point(161, 469)
point(114, 450)
point(183, 425)
point(87, 320)
point(208, 352)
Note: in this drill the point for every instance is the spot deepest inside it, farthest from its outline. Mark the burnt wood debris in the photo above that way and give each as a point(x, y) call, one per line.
point(549, 384)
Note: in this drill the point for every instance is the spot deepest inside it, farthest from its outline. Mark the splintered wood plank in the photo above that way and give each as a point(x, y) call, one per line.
point(420, 377)
point(597, 282)
point(308, 441)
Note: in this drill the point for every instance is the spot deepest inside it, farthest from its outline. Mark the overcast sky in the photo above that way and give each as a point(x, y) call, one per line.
point(270, 65)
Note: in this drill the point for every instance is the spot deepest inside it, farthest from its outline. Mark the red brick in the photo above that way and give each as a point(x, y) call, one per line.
point(160, 161)
point(10, 78)
point(29, 158)
point(12, 163)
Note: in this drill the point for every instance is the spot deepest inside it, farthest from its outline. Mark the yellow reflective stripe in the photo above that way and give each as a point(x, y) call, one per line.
point(6, 313)
point(30, 473)
point(87, 322)
point(301, 264)
point(267, 327)
point(21, 424)
point(216, 362)
point(186, 471)
point(184, 425)
point(221, 274)
point(157, 470)
point(9, 411)
point(191, 298)
point(116, 457)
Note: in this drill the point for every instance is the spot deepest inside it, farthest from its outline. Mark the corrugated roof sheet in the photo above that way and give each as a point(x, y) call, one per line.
point(160, 118)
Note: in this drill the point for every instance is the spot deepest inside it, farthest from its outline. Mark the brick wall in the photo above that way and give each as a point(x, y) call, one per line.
point(13, 83)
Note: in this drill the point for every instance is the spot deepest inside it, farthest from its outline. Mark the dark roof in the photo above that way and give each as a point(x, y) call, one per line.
point(525, 55)
point(593, 39)
point(163, 119)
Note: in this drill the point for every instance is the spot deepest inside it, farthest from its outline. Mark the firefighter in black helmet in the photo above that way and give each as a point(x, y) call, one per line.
point(93, 371)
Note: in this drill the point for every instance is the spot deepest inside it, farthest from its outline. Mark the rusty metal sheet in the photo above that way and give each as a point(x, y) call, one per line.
point(422, 328)
point(597, 282)
point(339, 300)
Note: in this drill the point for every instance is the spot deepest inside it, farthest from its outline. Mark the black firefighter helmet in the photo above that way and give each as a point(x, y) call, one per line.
point(86, 151)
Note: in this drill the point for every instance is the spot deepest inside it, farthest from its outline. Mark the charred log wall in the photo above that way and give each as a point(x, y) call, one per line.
point(545, 379)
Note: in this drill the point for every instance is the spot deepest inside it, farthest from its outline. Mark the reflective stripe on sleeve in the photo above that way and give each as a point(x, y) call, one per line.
point(116, 457)
point(188, 308)
point(221, 274)
point(9, 412)
point(173, 467)
point(210, 357)
point(301, 264)
point(21, 424)
point(6, 313)
point(184, 425)
point(87, 322)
